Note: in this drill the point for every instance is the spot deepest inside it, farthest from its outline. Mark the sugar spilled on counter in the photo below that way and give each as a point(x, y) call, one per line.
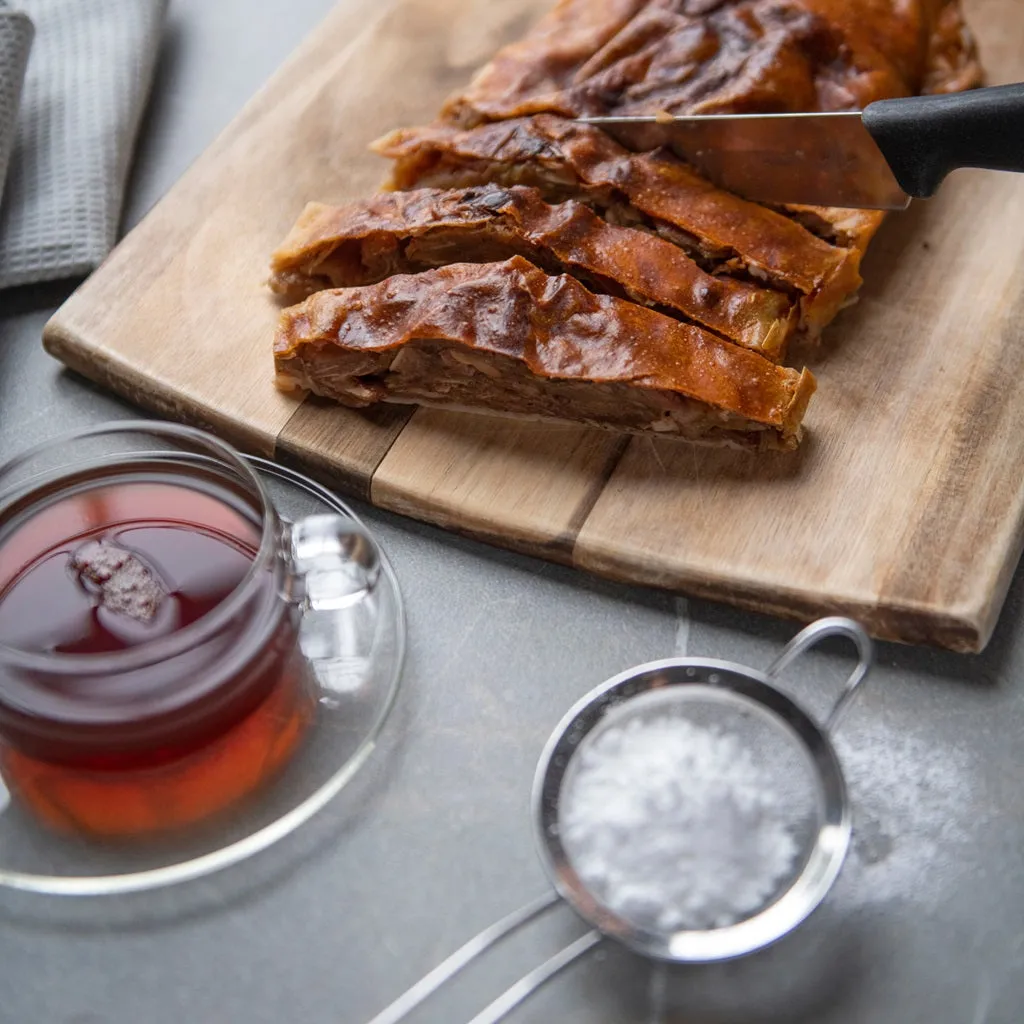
point(670, 824)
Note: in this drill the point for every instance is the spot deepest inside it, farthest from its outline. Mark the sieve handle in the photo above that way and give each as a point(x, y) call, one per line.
point(814, 634)
point(466, 954)
point(515, 995)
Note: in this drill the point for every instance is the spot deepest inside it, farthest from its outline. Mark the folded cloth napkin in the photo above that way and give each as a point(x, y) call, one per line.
point(85, 89)
point(15, 44)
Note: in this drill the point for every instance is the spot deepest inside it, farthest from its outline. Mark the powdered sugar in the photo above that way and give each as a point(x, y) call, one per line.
point(671, 825)
point(918, 803)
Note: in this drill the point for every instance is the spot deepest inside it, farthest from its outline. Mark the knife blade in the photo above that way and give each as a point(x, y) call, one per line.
point(811, 159)
point(877, 158)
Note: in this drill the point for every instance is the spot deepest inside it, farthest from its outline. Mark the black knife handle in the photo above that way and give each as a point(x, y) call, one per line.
point(925, 137)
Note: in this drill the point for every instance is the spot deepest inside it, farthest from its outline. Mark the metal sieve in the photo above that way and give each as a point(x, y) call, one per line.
point(718, 702)
point(792, 751)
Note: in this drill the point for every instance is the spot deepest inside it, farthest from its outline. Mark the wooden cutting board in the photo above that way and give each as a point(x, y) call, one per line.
point(905, 507)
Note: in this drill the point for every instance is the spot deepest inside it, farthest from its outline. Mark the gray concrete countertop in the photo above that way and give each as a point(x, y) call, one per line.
point(433, 840)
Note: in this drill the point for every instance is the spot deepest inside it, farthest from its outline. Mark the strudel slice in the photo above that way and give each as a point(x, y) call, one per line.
point(508, 338)
point(408, 232)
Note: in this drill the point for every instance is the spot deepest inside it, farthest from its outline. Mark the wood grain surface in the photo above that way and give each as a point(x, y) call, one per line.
point(905, 507)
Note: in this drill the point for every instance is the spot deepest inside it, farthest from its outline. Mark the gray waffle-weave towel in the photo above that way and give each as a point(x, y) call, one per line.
point(15, 44)
point(88, 78)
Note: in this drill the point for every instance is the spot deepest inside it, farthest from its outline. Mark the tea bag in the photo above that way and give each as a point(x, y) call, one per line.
point(124, 583)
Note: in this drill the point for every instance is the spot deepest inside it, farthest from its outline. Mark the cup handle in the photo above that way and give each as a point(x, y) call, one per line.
point(334, 563)
point(813, 634)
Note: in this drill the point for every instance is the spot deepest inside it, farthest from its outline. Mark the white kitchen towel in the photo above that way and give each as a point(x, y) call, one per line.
point(15, 45)
point(87, 82)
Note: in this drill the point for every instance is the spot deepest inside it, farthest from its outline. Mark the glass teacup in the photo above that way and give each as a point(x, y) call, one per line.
point(151, 597)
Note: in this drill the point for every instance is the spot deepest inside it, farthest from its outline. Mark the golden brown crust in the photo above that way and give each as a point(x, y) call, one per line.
point(407, 232)
point(535, 330)
point(567, 38)
point(721, 56)
point(729, 56)
point(851, 229)
point(952, 64)
point(560, 157)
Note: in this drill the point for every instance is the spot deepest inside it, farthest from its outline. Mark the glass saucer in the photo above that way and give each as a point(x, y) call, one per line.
point(357, 684)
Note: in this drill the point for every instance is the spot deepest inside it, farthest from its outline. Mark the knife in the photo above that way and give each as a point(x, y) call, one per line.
point(878, 158)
